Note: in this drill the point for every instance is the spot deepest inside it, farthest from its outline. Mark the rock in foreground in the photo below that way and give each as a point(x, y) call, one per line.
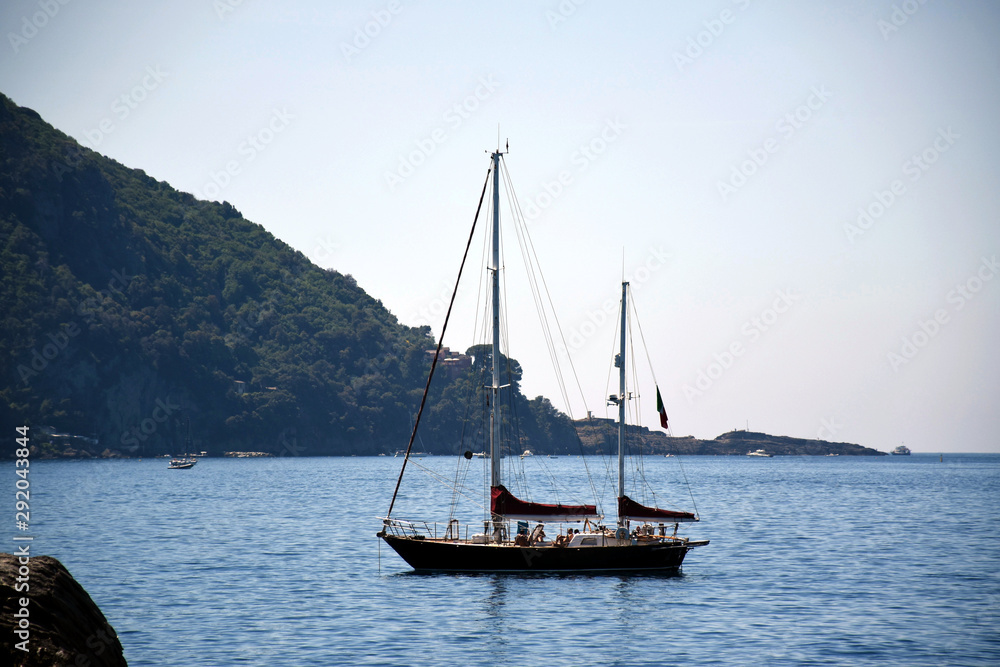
point(66, 627)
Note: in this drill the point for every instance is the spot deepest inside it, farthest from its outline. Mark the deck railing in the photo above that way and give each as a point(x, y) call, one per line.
point(453, 530)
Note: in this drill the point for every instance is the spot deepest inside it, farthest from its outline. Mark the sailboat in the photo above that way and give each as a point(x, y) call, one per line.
point(640, 540)
point(186, 461)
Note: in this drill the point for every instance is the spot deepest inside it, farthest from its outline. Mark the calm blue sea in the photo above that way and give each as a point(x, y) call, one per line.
point(812, 561)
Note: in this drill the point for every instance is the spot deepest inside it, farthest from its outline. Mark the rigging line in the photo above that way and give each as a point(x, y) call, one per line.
point(520, 229)
point(686, 483)
point(548, 296)
point(480, 290)
point(521, 224)
point(505, 399)
point(443, 480)
point(437, 352)
point(465, 425)
point(539, 305)
point(533, 271)
point(636, 408)
point(607, 385)
point(458, 484)
point(523, 240)
point(638, 324)
point(652, 372)
point(635, 443)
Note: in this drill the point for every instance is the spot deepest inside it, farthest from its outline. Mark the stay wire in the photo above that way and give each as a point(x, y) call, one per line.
point(437, 352)
point(531, 260)
point(536, 280)
point(653, 373)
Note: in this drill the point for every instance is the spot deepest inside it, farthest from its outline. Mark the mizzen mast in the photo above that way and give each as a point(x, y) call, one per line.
point(620, 363)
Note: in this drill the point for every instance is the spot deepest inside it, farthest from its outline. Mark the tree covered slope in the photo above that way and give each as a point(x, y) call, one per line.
point(131, 311)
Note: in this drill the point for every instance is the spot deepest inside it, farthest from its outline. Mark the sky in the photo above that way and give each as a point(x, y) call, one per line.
point(803, 195)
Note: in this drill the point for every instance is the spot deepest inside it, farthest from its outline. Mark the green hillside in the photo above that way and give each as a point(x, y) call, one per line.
point(131, 310)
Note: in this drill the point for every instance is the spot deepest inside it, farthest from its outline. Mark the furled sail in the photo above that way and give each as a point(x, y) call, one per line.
point(506, 504)
point(629, 509)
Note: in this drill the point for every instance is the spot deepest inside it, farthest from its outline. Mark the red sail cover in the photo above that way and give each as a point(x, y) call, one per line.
point(505, 503)
point(630, 509)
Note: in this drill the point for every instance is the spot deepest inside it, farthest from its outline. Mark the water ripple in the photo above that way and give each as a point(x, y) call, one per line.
point(813, 561)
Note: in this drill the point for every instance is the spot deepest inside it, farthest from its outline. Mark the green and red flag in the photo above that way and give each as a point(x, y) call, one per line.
point(662, 410)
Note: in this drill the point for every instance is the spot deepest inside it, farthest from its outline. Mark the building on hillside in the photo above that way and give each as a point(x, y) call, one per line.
point(452, 363)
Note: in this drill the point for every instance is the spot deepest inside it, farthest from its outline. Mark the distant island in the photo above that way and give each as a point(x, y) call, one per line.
point(599, 435)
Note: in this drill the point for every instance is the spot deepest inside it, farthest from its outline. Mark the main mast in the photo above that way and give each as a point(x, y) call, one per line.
point(495, 388)
point(620, 362)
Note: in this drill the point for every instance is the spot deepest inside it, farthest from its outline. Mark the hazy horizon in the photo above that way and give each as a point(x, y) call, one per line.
point(804, 196)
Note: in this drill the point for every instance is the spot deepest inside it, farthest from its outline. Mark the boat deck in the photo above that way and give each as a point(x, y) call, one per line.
point(594, 552)
point(574, 539)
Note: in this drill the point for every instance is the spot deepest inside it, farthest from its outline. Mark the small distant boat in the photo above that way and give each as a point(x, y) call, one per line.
point(527, 452)
point(760, 452)
point(185, 461)
point(833, 454)
point(668, 456)
point(902, 450)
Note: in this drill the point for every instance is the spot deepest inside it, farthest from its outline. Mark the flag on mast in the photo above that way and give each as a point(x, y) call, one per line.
point(662, 410)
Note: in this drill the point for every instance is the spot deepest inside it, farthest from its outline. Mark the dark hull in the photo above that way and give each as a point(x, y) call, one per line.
point(427, 555)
